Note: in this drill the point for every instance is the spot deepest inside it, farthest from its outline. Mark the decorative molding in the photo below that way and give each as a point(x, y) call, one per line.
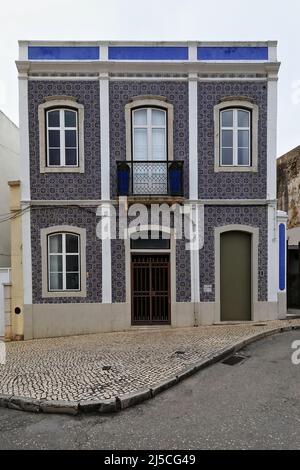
point(254, 231)
point(60, 102)
point(146, 101)
point(97, 202)
point(236, 103)
point(44, 232)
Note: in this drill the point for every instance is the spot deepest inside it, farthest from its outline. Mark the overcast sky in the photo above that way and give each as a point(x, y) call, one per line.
point(201, 20)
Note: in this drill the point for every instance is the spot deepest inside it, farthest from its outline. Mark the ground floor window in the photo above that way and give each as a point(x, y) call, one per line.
point(63, 259)
point(63, 262)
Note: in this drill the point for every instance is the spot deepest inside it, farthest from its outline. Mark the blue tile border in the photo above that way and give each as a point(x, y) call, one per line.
point(148, 53)
point(232, 53)
point(63, 53)
point(282, 256)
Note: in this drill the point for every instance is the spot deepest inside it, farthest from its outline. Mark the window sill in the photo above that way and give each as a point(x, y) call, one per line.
point(58, 294)
point(62, 169)
point(234, 169)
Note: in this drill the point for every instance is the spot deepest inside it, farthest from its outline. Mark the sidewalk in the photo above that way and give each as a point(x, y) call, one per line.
point(116, 369)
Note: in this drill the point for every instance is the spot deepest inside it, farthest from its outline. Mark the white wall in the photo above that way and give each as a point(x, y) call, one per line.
point(9, 170)
point(4, 278)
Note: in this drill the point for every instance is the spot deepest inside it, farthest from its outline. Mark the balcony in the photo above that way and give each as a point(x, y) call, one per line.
point(150, 178)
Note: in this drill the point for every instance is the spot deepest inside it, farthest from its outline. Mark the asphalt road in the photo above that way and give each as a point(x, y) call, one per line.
point(252, 405)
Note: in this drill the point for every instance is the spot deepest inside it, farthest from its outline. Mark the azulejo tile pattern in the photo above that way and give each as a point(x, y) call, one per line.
point(216, 216)
point(66, 185)
point(84, 217)
point(183, 271)
point(230, 185)
point(120, 93)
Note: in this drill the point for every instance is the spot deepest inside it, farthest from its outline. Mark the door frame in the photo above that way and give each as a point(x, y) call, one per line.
point(153, 253)
point(254, 231)
point(172, 253)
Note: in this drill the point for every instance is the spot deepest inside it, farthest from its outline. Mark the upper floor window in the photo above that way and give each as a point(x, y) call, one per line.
point(149, 129)
point(235, 137)
point(149, 134)
point(61, 133)
point(62, 137)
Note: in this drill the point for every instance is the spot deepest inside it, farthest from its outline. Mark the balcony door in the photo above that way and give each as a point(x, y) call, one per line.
point(150, 171)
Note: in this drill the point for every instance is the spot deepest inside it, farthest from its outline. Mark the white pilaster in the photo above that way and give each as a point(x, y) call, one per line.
point(193, 173)
point(104, 52)
point(193, 52)
point(25, 188)
point(105, 182)
point(272, 137)
point(272, 254)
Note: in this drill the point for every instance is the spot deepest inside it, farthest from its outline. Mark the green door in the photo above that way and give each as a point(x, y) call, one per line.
point(235, 276)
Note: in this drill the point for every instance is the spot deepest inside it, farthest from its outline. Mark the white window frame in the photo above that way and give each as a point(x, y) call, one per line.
point(246, 105)
point(44, 235)
point(67, 103)
point(64, 255)
point(235, 131)
point(149, 127)
point(152, 101)
point(62, 128)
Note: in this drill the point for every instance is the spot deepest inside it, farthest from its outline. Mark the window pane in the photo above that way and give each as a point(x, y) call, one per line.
point(140, 144)
point(227, 118)
point(71, 263)
point(158, 144)
point(70, 138)
point(71, 157)
point(140, 117)
point(54, 138)
point(56, 281)
point(227, 138)
point(72, 243)
point(243, 156)
point(243, 138)
point(53, 118)
point(72, 280)
point(243, 119)
point(227, 156)
point(70, 118)
point(158, 117)
point(54, 157)
point(55, 243)
point(55, 263)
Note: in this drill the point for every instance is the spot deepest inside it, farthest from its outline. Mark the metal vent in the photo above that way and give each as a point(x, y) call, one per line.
point(233, 360)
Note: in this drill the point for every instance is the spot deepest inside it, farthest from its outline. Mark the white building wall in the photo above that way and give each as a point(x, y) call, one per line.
point(9, 170)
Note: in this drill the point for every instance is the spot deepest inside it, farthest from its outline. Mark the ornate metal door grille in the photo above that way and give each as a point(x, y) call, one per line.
point(150, 276)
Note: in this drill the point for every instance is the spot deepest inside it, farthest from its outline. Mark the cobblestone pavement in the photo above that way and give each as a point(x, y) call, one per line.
point(106, 365)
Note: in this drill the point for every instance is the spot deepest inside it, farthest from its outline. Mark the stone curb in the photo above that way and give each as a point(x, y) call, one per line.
point(129, 399)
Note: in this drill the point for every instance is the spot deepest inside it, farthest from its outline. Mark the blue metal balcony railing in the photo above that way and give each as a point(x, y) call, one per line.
point(144, 178)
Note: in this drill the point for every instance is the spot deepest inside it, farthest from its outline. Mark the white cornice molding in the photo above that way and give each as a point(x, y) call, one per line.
point(97, 202)
point(268, 43)
point(184, 67)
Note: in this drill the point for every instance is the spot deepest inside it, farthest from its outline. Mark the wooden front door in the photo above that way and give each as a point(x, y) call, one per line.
point(150, 278)
point(235, 276)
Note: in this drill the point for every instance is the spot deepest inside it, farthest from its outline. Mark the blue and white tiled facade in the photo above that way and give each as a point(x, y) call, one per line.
point(193, 79)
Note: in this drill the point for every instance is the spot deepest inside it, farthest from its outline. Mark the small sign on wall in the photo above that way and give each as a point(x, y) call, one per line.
point(207, 288)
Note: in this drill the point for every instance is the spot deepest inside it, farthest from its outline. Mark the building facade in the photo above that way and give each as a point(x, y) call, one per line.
point(10, 170)
point(108, 128)
point(288, 181)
